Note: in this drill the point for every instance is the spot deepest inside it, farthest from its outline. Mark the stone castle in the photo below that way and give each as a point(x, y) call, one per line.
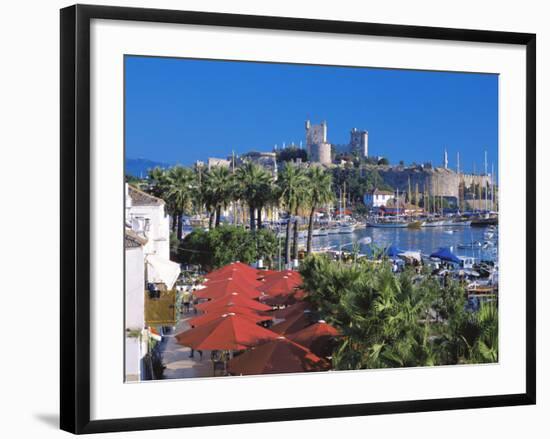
point(319, 149)
point(435, 181)
point(441, 182)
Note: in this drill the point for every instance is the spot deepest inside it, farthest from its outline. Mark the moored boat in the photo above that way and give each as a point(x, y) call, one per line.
point(415, 224)
point(388, 224)
point(434, 223)
point(347, 229)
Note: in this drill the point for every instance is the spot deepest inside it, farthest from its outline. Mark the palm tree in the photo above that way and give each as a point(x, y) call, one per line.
point(254, 187)
point(320, 192)
point(158, 186)
point(180, 192)
point(219, 190)
point(292, 182)
point(158, 181)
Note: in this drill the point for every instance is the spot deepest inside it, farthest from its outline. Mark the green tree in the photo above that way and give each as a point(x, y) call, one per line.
point(292, 153)
point(179, 194)
point(225, 244)
point(319, 193)
point(158, 185)
point(158, 182)
point(255, 185)
point(292, 182)
point(389, 320)
point(219, 190)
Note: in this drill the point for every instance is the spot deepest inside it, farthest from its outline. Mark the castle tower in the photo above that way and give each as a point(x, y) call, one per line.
point(316, 135)
point(359, 141)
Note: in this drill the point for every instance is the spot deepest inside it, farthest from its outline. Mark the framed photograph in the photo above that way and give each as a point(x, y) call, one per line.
point(273, 218)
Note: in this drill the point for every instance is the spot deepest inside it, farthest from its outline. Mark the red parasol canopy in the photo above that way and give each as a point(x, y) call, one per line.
point(277, 356)
point(293, 323)
point(245, 277)
point(273, 275)
point(297, 308)
point(233, 299)
point(280, 286)
point(265, 273)
point(300, 294)
point(319, 338)
point(229, 332)
point(219, 312)
point(217, 289)
point(238, 266)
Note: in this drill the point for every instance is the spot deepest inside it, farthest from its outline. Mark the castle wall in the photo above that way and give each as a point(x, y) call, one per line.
point(321, 153)
point(436, 181)
point(470, 179)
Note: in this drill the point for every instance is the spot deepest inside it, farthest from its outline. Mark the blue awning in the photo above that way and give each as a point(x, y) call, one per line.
point(392, 251)
point(445, 254)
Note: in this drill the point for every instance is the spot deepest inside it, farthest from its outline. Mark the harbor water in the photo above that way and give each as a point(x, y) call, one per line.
point(425, 239)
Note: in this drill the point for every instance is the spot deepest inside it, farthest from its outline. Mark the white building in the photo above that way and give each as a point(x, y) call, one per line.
point(377, 198)
point(146, 216)
point(134, 282)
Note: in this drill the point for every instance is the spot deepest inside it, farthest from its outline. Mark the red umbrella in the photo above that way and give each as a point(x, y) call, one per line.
point(280, 286)
point(215, 290)
point(237, 310)
point(233, 299)
point(273, 275)
point(239, 266)
point(245, 277)
point(292, 324)
point(277, 356)
point(297, 308)
point(300, 294)
point(229, 332)
point(318, 338)
point(265, 273)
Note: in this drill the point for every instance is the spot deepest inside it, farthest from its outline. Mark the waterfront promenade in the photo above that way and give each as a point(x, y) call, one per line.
point(176, 357)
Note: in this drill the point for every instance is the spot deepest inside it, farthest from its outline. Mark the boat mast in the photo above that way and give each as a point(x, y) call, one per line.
point(485, 181)
point(397, 204)
point(475, 189)
point(344, 199)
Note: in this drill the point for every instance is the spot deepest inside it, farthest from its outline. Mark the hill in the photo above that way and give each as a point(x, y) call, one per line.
point(139, 167)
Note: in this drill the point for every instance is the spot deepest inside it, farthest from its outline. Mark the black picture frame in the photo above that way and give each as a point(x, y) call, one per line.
point(75, 217)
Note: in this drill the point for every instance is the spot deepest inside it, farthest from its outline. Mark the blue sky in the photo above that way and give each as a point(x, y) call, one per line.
point(180, 110)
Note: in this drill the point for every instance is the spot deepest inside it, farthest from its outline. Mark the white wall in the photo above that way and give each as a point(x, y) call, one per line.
point(135, 288)
point(30, 136)
point(158, 235)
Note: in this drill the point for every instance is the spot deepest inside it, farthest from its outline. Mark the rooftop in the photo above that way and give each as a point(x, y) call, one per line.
point(132, 239)
point(140, 198)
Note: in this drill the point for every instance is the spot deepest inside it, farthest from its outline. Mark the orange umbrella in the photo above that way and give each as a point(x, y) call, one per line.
point(277, 356)
point(228, 332)
point(318, 338)
point(233, 299)
point(293, 323)
point(215, 290)
point(237, 310)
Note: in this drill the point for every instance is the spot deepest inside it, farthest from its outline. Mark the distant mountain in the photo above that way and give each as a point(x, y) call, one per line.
point(139, 167)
